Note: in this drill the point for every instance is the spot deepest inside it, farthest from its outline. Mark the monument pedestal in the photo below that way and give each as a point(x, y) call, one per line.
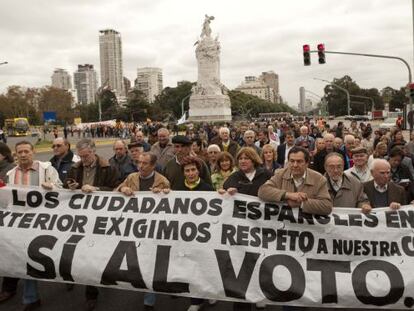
point(209, 108)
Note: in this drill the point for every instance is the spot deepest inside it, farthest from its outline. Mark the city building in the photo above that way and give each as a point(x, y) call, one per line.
point(110, 48)
point(74, 94)
point(308, 105)
point(149, 81)
point(302, 99)
point(127, 85)
point(86, 84)
point(265, 86)
point(61, 79)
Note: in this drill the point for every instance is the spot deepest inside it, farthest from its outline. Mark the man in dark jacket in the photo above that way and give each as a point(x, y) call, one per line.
point(400, 174)
point(381, 191)
point(122, 161)
point(319, 158)
point(63, 157)
point(91, 173)
point(283, 149)
point(225, 143)
point(173, 170)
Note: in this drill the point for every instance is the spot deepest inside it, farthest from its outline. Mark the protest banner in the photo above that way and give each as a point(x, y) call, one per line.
point(202, 244)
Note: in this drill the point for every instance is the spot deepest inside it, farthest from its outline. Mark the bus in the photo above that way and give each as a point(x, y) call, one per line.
point(17, 127)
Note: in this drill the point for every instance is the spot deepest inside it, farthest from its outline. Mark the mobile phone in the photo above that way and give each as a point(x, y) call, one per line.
point(70, 181)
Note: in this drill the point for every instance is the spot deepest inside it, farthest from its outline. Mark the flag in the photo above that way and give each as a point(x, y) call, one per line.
point(181, 120)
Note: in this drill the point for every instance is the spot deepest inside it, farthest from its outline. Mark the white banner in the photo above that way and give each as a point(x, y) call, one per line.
point(202, 244)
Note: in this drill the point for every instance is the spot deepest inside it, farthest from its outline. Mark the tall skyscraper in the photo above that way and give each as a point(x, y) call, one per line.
point(110, 48)
point(61, 79)
point(149, 81)
point(86, 84)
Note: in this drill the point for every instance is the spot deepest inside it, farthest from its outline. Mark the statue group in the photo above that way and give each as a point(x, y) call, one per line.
point(209, 92)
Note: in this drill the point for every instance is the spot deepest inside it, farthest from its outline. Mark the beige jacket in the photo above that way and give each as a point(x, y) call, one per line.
point(351, 193)
point(132, 181)
point(315, 186)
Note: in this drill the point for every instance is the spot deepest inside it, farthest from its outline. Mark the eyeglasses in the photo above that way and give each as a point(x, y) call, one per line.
point(56, 146)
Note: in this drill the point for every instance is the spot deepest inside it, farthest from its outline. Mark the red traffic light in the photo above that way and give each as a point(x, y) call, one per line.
point(321, 53)
point(306, 48)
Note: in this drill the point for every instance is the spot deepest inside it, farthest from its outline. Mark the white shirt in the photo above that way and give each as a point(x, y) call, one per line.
point(380, 188)
point(287, 152)
point(250, 175)
point(299, 182)
point(336, 185)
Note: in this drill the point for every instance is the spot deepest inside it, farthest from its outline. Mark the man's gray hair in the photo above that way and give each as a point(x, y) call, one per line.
point(377, 162)
point(348, 138)
point(213, 147)
point(86, 143)
point(224, 129)
point(163, 129)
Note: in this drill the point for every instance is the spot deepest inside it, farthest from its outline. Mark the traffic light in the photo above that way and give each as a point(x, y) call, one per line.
point(411, 90)
point(321, 53)
point(306, 55)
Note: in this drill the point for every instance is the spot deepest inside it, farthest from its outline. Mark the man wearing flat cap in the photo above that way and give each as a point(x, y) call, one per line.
point(360, 169)
point(173, 170)
point(135, 150)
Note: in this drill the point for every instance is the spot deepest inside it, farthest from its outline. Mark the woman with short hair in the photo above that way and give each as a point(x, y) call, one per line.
point(250, 175)
point(224, 168)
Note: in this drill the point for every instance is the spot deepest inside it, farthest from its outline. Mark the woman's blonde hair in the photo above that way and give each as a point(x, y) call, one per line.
point(269, 147)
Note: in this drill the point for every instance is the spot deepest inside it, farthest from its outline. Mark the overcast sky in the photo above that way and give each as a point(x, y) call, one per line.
point(37, 36)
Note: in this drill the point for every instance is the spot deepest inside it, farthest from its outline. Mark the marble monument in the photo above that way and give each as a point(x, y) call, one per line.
point(209, 100)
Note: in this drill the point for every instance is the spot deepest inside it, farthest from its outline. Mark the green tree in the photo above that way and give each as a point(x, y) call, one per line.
point(109, 104)
point(137, 107)
point(336, 98)
point(245, 106)
point(398, 100)
point(88, 113)
point(55, 99)
point(169, 101)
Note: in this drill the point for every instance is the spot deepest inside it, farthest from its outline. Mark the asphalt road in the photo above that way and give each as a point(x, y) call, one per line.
point(55, 297)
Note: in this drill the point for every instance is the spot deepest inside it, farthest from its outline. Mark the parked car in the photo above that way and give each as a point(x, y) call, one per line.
point(388, 124)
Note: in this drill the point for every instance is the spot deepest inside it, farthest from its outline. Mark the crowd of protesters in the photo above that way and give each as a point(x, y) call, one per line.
point(306, 164)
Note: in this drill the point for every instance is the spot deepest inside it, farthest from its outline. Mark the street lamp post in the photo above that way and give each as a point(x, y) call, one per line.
point(182, 103)
point(348, 99)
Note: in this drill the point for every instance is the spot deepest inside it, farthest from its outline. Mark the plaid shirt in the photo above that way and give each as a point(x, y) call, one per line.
point(28, 176)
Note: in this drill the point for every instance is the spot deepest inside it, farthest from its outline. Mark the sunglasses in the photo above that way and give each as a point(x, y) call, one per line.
point(56, 146)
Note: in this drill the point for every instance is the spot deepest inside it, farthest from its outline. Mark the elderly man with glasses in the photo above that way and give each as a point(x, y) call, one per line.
point(63, 157)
